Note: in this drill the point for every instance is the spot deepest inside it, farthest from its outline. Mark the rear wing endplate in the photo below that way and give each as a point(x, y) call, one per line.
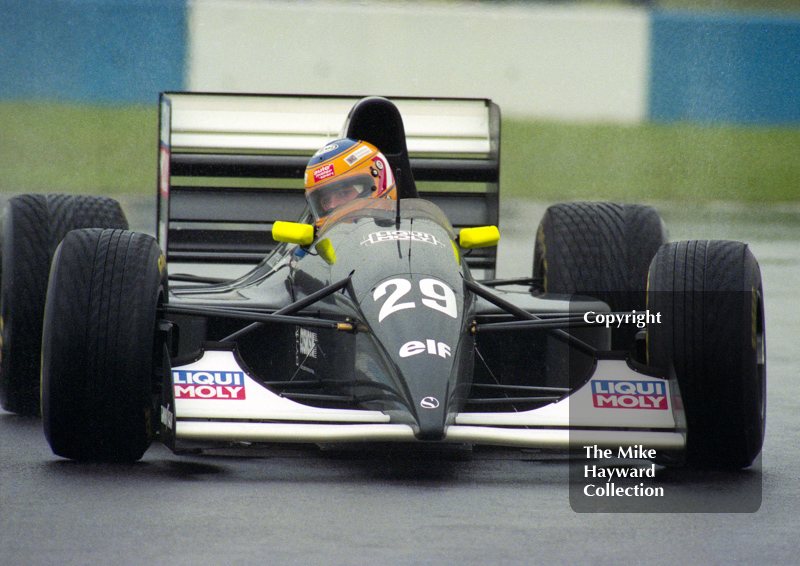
point(230, 165)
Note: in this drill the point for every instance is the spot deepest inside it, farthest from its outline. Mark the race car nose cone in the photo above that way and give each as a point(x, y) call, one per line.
point(432, 373)
point(431, 415)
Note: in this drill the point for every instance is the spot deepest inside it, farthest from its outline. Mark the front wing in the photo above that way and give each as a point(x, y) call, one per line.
point(213, 402)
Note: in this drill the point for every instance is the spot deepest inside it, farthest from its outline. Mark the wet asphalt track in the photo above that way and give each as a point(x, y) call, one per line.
point(302, 506)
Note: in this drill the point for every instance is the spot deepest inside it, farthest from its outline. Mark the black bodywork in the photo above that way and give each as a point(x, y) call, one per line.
point(381, 312)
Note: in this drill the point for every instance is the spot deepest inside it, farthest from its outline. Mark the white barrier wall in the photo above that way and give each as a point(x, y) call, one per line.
point(562, 62)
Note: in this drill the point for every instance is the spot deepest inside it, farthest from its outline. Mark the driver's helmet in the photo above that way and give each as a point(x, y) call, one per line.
point(344, 170)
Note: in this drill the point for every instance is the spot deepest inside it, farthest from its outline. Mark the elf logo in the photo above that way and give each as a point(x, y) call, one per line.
point(431, 347)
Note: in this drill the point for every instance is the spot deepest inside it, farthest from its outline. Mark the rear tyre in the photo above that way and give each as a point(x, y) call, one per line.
point(710, 296)
point(601, 250)
point(98, 345)
point(33, 225)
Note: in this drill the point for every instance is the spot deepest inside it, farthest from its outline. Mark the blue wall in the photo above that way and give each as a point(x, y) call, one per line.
point(113, 51)
point(710, 68)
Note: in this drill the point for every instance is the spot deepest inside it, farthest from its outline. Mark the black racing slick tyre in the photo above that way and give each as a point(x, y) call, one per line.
point(98, 358)
point(602, 250)
point(33, 225)
point(710, 299)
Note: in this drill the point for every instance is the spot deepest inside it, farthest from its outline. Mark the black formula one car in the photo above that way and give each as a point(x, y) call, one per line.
point(383, 325)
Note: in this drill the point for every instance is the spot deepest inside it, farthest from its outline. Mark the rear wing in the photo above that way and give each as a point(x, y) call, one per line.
point(230, 165)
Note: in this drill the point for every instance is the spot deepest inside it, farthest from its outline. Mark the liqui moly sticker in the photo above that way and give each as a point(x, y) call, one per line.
point(629, 395)
point(209, 385)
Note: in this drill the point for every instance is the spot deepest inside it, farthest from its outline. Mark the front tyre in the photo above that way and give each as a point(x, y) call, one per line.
point(98, 344)
point(602, 250)
point(710, 298)
point(33, 226)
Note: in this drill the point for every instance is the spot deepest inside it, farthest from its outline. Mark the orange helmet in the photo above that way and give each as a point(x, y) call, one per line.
point(344, 170)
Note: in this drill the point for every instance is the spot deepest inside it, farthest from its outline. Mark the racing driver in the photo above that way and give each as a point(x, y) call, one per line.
point(344, 170)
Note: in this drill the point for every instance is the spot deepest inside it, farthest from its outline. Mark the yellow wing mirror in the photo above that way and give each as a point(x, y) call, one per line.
point(293, 232)
point(479, 237)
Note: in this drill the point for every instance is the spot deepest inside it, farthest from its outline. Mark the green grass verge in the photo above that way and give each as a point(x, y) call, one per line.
point(49, 147)
point(112, 150)
point(650, 161)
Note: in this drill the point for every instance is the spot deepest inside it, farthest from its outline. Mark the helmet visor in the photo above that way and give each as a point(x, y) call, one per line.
point(338, 192)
